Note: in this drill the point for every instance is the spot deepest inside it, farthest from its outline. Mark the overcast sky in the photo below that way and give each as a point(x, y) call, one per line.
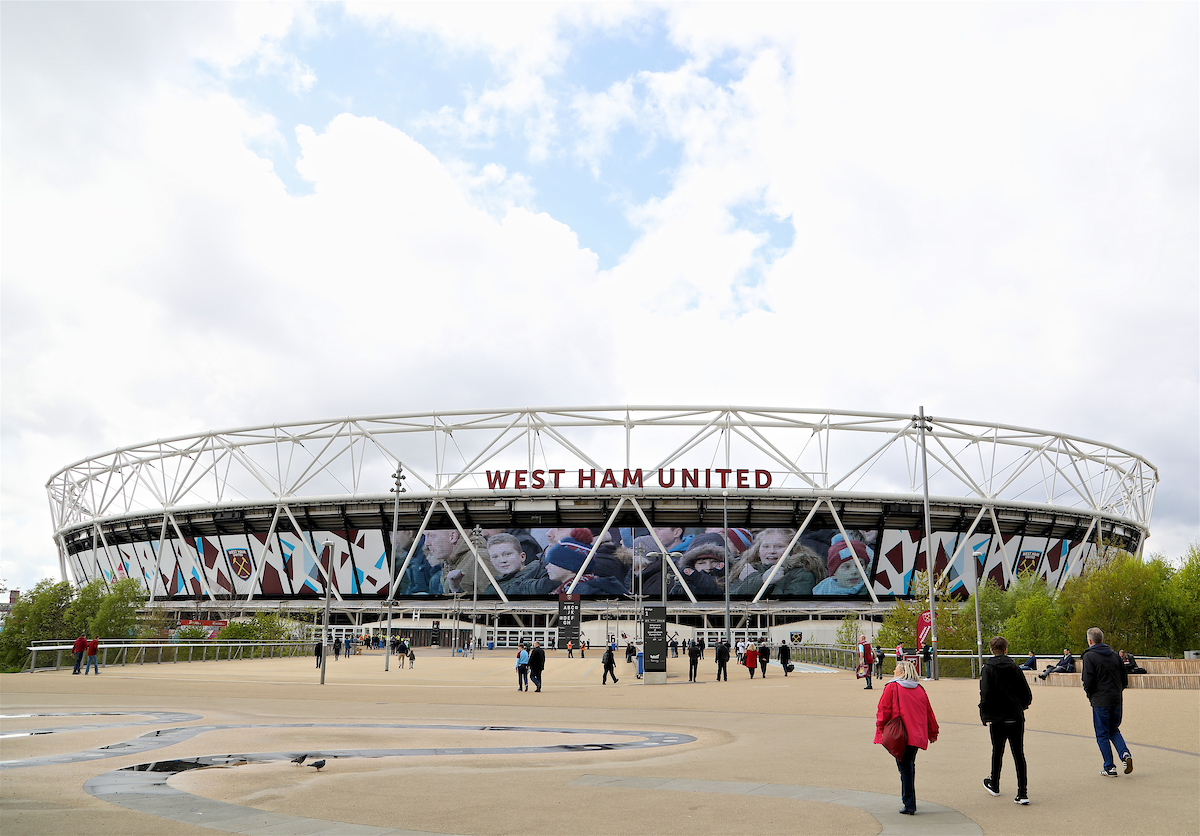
point(219, 215)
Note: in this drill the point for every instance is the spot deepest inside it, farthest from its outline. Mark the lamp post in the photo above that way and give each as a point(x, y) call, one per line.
point(725, 552)
point(328, 544)
point(978, 631)
point(397, 490)
point(475, 594)
point(929, 552)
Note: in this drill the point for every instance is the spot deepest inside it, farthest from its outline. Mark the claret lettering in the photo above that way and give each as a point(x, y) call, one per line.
point(522, 480)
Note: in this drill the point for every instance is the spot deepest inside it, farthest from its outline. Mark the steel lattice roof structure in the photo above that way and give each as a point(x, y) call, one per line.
point(235, 513)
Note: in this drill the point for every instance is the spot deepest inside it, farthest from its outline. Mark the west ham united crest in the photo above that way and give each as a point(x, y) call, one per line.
point(239, 562)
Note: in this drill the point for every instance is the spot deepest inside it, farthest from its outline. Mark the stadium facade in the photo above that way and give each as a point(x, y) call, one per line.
point(264, 515)
point(243, 516)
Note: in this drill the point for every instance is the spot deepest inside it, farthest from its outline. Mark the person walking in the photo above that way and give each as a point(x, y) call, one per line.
point(904, 697)
point(785, 656)
point(570, 650)
point(722, 661)
point(1104, 681)
point(317, 652)
point(1003, 697)
point(583, 649)
point(92, 647)
point(537, 664)
point(522, 670)
point(866, 660)
point(79, 648)
point(764, 657)
point(751, 658)
point(337, 649)
point(693, 660)
point(609, 661)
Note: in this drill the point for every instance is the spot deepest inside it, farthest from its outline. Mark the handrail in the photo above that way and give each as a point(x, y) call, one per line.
point(218, 649)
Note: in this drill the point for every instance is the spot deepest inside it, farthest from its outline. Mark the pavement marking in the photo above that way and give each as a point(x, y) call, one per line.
point(144, 787)
point(932, 819)
point(158, 717)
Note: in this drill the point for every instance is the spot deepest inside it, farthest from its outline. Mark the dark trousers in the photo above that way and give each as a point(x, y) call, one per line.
point(609, 670)
point(536, 678)
point(693, 666)
point(783, 663)
point(522, 677)
point(1107, 722)
point(908, 777)
point(1012, 732)
point(722, 671)
point(78, 662)
point(763, 661)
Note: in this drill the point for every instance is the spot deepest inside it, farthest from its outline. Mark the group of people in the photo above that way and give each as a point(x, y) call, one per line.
point(400, 647)
point(86, 648)
point(531, 661)
point(528, 563)
point(1004, 696)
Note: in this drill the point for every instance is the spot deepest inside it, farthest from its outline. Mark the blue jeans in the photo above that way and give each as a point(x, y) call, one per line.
point(1107, 721)
point(93, 664)
point(908, 777)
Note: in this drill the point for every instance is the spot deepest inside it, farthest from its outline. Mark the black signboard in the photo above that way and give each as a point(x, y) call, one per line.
point(568, 620)
point(655, 649)
point(435, 634)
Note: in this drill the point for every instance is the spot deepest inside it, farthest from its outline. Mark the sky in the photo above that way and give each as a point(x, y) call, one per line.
point(219, 215)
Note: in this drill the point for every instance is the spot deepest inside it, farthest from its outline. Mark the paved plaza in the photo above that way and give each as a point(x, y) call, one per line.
point(451, 747)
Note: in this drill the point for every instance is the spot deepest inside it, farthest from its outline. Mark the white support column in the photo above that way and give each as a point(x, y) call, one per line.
point(258, 570)
point(666, 556)
point(412, 550)
point(854, 555)
point(595, 545)
point(791, 545)
point(317, 557)
point(471, 545)
point(1008, 569)
point(962, 544)
point(199, 568)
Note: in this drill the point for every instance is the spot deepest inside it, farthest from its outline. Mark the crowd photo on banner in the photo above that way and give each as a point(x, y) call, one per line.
point(538, 563)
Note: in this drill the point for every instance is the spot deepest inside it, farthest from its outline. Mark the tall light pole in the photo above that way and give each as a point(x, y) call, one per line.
point(978, 631)
point(725, 552)
point(397, 490)
point(475, 592)
point(328, 544)
point(929, 551)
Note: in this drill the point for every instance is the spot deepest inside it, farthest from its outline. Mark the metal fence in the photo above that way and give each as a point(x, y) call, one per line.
point(151, 653)
point(952, 663)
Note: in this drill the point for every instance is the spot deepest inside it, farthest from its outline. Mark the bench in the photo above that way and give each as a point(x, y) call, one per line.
point(1170, 674)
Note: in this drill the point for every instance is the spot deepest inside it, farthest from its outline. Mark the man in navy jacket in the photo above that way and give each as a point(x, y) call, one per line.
point(1104, 682)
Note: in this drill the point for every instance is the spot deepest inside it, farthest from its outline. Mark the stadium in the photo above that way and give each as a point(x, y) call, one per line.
point(795, 513)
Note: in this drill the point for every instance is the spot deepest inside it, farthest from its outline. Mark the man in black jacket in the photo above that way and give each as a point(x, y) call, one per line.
point(1003, 697)
point(1104, 681)
point(537, 663)
point(722, 661)
point(693, 660)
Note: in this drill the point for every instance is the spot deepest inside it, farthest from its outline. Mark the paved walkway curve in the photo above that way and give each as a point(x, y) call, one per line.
point(932, 819)
point(169, 737)
point(144, 787)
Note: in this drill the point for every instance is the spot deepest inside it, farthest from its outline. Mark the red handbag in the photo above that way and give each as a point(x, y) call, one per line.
point(895, 737)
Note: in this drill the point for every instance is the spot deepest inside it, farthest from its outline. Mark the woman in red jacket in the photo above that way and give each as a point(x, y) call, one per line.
point(904, 697)
point(752, 658)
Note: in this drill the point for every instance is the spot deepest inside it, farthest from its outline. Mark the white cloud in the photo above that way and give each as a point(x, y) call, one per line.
point(995, 213)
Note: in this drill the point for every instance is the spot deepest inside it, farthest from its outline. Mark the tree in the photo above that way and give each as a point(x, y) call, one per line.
point(116, 617)
point(38, 616)
point(1129, 599)
point(995, 608)
point(263, 627)
point(193, 632)
point(1038, 623)
point(83, 609)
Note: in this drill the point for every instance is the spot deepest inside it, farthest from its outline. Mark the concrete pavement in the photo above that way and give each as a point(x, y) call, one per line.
point(465, 752)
